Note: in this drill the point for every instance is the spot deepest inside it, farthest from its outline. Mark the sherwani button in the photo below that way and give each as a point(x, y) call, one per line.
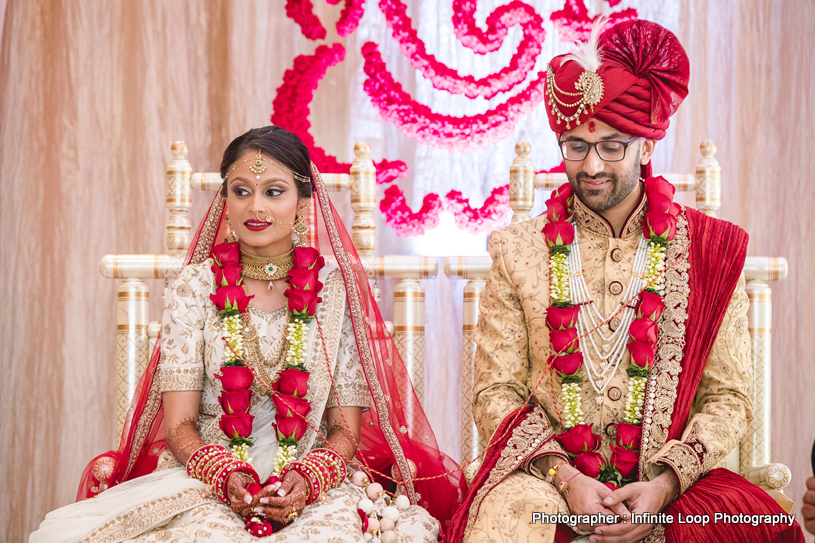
point(613, 324)
point(611, 430)
point(616, 254)
point(614, 394)
point(616, 288)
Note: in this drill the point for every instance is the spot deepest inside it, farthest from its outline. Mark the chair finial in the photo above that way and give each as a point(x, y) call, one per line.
point(708, 148)
point(179, 149)
point(522, 149)
point(362, 149)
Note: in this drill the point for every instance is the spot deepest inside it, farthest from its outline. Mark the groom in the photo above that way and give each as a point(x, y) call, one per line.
point(621, 316)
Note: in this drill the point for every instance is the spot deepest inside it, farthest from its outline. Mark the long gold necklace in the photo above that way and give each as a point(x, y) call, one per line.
point(267, 268)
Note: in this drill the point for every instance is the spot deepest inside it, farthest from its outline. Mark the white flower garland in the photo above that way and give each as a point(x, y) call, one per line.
point(295, 356)
point(571, 400)
point(653, 277)
point(558, 278)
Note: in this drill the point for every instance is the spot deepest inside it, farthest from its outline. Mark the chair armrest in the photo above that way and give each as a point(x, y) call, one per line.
point(769, 476)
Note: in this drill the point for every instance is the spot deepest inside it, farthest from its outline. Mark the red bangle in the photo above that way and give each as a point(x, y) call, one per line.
point(223, 477)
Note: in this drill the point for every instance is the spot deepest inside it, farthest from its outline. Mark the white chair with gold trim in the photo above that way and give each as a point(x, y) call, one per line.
point(752, 457)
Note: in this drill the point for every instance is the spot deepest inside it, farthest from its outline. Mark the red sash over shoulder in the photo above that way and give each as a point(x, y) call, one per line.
point(717, 253)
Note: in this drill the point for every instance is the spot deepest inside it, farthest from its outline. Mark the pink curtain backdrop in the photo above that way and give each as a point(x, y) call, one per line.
point(92, 94)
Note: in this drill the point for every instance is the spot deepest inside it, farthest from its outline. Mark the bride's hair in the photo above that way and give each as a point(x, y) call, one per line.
point(279, 144)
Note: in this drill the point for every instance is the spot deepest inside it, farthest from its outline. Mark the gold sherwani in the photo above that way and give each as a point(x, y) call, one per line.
point(513, 348)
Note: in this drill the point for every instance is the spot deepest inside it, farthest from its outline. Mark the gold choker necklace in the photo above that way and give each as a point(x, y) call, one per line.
point(267, 268)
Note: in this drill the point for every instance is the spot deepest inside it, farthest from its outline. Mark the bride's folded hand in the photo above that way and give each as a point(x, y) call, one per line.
point(286, 502)
point(239, 497)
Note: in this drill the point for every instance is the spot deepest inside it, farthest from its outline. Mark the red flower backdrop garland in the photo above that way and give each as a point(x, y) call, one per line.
point(498, 23)
point(475, 220)
point(302, 13)
point(291, 105)
point(573, 23)
point(578, 440)
point(291, 111)
point(419, 122)
point(291, 386)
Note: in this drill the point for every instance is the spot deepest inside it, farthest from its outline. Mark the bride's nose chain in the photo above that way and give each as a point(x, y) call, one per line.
point(271, 218)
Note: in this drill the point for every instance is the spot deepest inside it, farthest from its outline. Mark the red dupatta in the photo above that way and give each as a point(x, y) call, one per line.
point(396, 435)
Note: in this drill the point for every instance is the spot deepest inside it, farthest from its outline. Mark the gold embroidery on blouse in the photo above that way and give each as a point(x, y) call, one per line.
point(351, 395)
point(171, 379)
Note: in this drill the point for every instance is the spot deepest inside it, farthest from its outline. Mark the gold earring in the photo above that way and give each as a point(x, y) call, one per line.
point(300, 232)
point(231, 237)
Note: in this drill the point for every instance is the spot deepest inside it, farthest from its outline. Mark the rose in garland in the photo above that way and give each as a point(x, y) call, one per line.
point(643, 329)
point(230, 298)
point(228, 274)
point(625, 460)
point(558, 233)
point(563, 341)
point(226, 252)
point(235, 378)
point(628, 436)
point(659, 185)
point(291, 406)
point(290, 428)
point(590, 463)
point(568, 364)
point(302, 302)
point(236, 425)
point(579, 439)
point(660, 225)
point(641, 353)
point(236, 401)
point(556, 211)
point(558, 318)
point(307, 258)
point(305, 279)
point(650, 306)
point(293, 382)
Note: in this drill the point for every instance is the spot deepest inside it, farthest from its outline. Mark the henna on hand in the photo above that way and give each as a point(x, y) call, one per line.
point(183, 439)
point(291, 497)
point(237, 493)
point(342, 440)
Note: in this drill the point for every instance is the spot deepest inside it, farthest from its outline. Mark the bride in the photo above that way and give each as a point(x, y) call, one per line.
point(275, 380)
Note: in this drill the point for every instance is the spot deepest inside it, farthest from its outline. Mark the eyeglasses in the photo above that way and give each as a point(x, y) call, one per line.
point(608, 151)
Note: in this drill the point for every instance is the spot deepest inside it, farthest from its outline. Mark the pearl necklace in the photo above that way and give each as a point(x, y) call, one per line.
point(602, 363)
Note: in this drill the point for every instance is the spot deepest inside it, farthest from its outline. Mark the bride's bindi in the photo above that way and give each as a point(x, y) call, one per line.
point(592, 126)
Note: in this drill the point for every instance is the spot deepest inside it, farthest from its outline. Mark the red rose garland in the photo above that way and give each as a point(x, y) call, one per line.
point(578, 440)
point(291, 387)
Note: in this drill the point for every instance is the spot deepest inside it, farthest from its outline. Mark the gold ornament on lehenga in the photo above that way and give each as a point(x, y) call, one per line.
point(590, 90)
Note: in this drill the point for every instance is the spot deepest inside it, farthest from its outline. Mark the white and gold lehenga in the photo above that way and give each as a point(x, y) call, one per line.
point(349, 346)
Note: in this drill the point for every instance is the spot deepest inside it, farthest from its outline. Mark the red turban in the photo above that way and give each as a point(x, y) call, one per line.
point(643, 77)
